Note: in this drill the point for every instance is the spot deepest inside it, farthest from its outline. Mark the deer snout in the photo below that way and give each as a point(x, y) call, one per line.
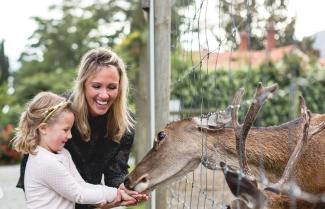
point(141, 184)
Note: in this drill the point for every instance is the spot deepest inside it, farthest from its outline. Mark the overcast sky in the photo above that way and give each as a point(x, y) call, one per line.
point(16, 25)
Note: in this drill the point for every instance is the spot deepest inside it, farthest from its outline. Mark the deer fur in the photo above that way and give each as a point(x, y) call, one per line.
point(185, 144)
point(182, 145)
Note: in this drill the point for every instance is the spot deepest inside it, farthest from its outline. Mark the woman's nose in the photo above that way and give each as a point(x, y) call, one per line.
point(104, 94)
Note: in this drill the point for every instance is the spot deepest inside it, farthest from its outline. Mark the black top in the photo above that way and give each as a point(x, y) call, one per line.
point(97, 157)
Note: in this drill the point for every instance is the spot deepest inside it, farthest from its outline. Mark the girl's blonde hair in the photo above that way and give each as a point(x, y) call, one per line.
point(45, 107)
point(119, 120)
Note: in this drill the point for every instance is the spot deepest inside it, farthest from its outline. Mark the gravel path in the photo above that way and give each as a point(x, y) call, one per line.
point(10, 196)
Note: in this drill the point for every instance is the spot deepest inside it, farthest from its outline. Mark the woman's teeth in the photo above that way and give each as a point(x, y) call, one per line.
point(101, 102)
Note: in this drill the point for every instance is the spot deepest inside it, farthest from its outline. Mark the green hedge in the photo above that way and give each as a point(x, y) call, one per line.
point(214, 89)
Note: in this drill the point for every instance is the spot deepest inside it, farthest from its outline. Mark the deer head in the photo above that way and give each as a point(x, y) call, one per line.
point(165, 163)
point(182, 145)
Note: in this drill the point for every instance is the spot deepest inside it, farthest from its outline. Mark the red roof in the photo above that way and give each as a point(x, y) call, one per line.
point(239, 58)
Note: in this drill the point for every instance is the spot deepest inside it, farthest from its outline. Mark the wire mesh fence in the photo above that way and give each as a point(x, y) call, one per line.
point(209, 63)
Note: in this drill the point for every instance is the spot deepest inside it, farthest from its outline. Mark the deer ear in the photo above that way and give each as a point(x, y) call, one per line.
point(214, 121)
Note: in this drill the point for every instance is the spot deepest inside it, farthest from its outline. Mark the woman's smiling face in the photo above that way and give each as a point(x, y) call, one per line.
point(101, 90)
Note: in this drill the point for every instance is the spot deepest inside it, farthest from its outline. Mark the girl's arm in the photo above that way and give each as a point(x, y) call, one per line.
point(69, 184)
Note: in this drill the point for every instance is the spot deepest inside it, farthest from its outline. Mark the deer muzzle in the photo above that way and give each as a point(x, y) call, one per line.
point(141, 184)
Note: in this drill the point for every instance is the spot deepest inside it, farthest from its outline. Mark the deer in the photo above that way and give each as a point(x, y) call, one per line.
point(182, 145)
point(282, 193)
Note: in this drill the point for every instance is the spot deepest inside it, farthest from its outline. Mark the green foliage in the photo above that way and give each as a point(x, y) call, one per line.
point(3, 102)
point(57, 81)
point(9, 110)
point(60, 43)
point(213, 90)
point(139, 206)
point(4, 64)
point(306, 45)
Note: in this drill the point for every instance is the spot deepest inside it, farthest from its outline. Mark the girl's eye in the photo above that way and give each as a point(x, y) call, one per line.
point(96, 86)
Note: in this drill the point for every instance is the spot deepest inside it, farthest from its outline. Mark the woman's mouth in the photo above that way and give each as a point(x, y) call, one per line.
point(101, 102)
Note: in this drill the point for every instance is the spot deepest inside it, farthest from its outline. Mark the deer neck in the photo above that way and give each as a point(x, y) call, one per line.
point(268, 148)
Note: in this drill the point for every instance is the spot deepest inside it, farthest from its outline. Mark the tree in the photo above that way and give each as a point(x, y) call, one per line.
point(306, 45)
point(253, 16)
point(57, 45)
point(4, 64)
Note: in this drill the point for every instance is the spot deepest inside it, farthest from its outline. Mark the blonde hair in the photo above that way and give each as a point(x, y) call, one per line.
point(119, 120)
point(45, 107)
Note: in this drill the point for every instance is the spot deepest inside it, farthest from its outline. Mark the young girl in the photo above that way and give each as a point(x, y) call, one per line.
point(51, 178)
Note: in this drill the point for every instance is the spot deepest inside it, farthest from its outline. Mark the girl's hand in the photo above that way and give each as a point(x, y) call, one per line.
point(127, 199)
point(140, 197)
point(122, 198)
point(116, 202)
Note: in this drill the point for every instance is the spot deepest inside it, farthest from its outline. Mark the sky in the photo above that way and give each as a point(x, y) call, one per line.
point(16, 25)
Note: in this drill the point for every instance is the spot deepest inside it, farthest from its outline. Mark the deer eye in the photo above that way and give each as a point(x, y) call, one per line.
point(161, 135)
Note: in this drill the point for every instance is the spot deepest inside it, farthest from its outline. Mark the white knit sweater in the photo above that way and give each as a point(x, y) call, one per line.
point(53, 182)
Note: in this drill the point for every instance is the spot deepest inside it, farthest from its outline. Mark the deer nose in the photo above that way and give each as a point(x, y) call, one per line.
point(143, 179)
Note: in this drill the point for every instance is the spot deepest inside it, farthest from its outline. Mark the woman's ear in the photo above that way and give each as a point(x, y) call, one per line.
point(42, 128)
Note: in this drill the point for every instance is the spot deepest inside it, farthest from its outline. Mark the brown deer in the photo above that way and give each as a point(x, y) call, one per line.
point(184, 144)
point(285, 192)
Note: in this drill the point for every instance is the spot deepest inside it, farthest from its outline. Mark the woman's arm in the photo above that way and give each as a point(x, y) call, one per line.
point(116, 169)
point(20, 183)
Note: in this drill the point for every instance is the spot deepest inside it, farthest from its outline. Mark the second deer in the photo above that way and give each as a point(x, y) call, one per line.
point(283, 193)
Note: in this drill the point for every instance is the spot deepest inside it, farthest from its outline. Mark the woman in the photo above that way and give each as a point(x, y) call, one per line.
point(103, 132)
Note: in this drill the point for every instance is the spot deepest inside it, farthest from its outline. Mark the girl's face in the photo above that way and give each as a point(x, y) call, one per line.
point(101, 90)
point(56, 134)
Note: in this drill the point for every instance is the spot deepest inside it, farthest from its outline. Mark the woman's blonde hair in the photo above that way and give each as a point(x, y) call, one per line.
point(119, 120)
point(45, 107)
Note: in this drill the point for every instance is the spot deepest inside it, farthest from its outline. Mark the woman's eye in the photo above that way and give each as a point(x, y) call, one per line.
point(112, 87)
point(96, 87)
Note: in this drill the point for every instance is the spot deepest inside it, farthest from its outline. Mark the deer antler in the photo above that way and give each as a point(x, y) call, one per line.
point(243, 186)
point(241, 131)
point(308, 133)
